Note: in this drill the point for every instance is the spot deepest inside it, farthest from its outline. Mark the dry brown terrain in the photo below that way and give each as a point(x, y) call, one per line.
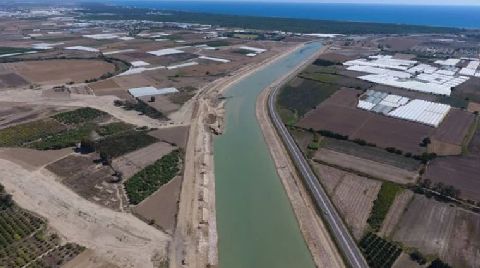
point(131, 163)
point(89, 179)
point(12, 113)
point(395, 212)
point(437, 228)
point(365, 166)
point(162, 206)
point(173, 135)
point(60, 71)
point(120, 238)
point(32, 159)
point(352, 195)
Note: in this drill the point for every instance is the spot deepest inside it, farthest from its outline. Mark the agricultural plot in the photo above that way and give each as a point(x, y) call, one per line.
point(60, 71)
point(468, 90)
point(382, 204)
point(176, 136)
point(436, 228)
point(79, 116)
point(91, 180)
point(351, 194)
point(398, 207)
point(12, 80)
point(25, 240)
point(20, 135)
point(365, 167)
point(115, 146)
point(147, 181)
point(379, 252)
point(462, 172)
point(133, 162)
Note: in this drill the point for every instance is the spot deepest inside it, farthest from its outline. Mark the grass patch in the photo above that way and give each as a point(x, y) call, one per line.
point(19, 135)
point(114, 146)
point(11, 50)
point(140, 107)
point(242, 51)
point(382, 204)
point(305, 96)
point(147, 181)
point(79, 116)
point(379, 252)
point(113, 128)
point(68, 138)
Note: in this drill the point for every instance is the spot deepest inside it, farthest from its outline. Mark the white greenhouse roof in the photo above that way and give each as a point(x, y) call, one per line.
point(166, 51)
point(149, 91)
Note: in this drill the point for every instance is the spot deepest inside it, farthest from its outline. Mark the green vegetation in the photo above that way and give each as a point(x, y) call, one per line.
point(147, 181)
point(23, 239)
point(141, 107)
point(373, 153)
point(437, 263)
point(107, 12)
point(68, 138)
point(12, 50)
point(382, 204)
point(379, 252)
point(242, 51)
point(114, 146)
point(79, 116)
point(113, 128)
point(19, 135)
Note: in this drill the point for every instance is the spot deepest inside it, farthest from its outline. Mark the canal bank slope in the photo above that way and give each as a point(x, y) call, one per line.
point(317, 237)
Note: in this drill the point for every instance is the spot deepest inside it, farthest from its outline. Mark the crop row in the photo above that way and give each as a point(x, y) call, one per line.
point(382, 204)
point(78, 116)
point(20, 134)
point(148, 180)
point(57, 257)
point(378, 251)
point(16, 224)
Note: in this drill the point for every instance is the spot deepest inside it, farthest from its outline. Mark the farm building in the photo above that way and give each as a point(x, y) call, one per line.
point(150, 91)
point(420, 111)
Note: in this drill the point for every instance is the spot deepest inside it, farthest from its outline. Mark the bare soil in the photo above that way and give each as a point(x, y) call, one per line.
point(32, 159)
point(60, 71)
point(365, 167)
point(162, 206)
point(353, 196)
point(131, 163)
point(175, 135)
point(395, 212)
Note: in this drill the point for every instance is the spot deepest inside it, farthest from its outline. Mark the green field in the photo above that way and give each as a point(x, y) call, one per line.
point(117, 145)
point(147, 181)
point(19, 135)
point(379, 252)
point(79, 116)
point(382, 204)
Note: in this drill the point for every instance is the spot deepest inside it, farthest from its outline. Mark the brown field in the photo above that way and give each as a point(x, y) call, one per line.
point(454, 127)
point(469, 89)
point(473, 107)
point(335, 57)
point(60, 71)
point(162, 206)
point(340, 115)
point(395, 212)
point(11, 80)
point(174, 135)
point(437, 228)
point(462, 172)
point(365, 167)
point(352, 195)
point(32, 159)
point(16, 113)
point(131, 163)
point(400, 43)
point(162, 103)
point(90, 180)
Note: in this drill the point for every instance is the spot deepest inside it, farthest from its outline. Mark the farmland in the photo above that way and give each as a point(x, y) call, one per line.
point(59, 71)
point(21, 134)
point(25, 238)
point(78, 116)
point(352, 195)
point(118, 145)
point(147, 181)
point(378, 251)
point(437, 228)
point(382, 204)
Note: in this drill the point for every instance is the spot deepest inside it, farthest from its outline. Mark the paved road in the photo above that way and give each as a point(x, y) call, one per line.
point(345, 242)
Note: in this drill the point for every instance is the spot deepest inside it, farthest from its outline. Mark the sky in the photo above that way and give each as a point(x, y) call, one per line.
point(406, 2)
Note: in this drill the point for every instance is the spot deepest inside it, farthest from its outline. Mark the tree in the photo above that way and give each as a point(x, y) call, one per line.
point(87, 146)
point(437, 263)
point(152, 99)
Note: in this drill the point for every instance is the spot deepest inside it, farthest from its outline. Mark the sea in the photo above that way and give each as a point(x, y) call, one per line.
point(449, 16)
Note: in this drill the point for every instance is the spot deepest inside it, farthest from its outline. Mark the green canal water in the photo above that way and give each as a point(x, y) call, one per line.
point(256, 225)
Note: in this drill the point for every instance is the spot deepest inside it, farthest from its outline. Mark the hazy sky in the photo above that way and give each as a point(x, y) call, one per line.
point(409, 2)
